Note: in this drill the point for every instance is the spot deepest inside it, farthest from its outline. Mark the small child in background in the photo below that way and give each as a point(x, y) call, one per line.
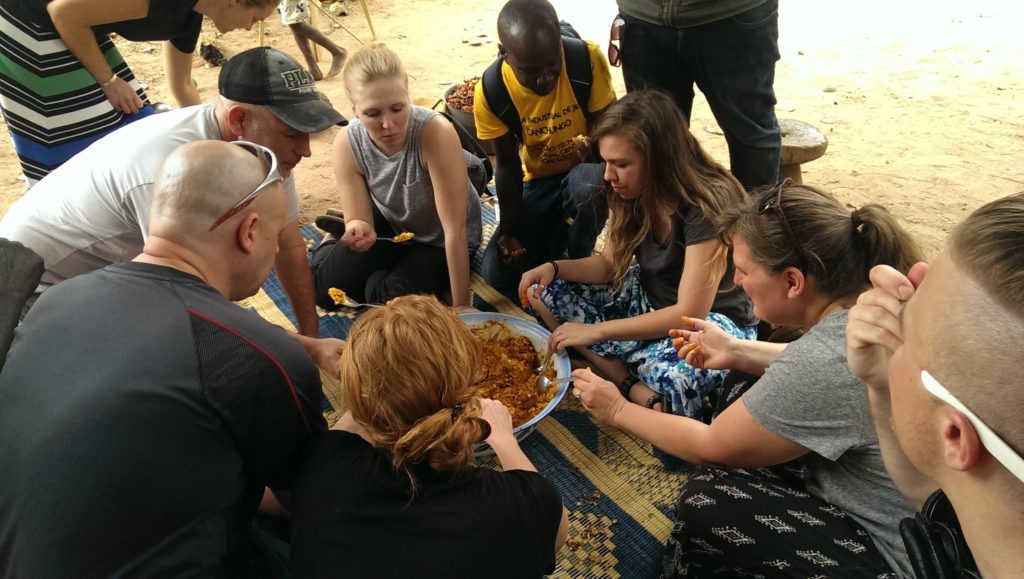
point(295, 14)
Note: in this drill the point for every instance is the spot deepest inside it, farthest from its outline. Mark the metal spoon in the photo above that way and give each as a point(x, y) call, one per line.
point(543, 382)
point(350, 303)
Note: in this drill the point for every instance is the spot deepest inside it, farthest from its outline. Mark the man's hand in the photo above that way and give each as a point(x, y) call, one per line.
point(600, 397)
point(875, 327)
point(326, 353)
point(510, 249)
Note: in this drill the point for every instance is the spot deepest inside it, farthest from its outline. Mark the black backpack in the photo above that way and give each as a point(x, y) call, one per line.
point(577, 67)
point(480, 173)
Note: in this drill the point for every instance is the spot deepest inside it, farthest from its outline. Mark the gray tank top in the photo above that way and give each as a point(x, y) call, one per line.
point(400, 186)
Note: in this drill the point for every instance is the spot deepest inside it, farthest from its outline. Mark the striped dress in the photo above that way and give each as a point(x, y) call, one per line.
point(53, 106)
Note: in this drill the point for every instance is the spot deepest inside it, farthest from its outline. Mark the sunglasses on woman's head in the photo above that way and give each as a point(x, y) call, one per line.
point(773, 202)
point(269, 160)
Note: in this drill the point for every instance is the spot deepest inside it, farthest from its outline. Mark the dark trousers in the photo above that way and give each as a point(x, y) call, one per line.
point(740, 523)
point(732, 61)
point(544, 232)
point(385, 271)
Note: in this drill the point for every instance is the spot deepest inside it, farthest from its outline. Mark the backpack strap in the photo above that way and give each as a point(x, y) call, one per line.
point(577, 67)
point(498, 99)
point(471, 145)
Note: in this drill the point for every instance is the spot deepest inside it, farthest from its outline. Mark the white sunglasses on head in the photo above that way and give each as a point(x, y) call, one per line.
point(269, 160)
point(995, 446)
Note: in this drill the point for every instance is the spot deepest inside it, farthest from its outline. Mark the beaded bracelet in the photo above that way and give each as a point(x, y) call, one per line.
point(109, 82)
point(554, 264)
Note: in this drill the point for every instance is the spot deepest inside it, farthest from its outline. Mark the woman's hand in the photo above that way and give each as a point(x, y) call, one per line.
point(359, 235)
point(122, 96)
point(574, 334)
point(538, 278)
point(600, 397)
point(704, 345)
point(499, 418)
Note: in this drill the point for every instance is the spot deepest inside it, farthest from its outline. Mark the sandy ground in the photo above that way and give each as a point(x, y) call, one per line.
point(922, 102)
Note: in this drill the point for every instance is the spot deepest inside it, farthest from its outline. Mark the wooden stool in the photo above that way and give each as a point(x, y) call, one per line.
point(801, 143)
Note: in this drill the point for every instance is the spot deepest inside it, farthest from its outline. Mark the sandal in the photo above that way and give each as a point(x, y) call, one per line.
point(656, 398)
point(333, 224)
point(627, 384)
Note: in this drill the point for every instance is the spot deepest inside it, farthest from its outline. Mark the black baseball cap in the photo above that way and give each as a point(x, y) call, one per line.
point(266, 76)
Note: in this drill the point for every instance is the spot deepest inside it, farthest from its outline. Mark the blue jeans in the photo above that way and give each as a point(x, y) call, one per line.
point(732, 61)
point(543, 229)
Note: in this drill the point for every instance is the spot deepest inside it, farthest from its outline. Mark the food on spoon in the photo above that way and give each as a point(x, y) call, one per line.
point(337, 295)
point(404, 236)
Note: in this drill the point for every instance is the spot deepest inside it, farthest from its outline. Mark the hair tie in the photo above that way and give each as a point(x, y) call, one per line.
point(456, 411)
point(855, 218)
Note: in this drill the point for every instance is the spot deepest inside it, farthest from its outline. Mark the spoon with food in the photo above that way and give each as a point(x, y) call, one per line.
point(341, 298)
point(543, 382)
point(400, 238)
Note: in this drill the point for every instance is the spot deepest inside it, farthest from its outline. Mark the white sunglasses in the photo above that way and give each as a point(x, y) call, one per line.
point(996, 446)
point(273, 176)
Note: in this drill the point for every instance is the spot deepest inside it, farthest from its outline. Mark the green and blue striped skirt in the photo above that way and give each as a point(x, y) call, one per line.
point(53, 107)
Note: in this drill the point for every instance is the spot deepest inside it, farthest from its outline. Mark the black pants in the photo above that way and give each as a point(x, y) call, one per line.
point(735, 522)
point(385, 271)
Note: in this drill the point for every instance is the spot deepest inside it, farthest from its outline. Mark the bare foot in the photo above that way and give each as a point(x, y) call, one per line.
point(315, 71)
point(337, 62)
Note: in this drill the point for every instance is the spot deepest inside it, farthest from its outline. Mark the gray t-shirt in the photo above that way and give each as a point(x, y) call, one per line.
point(661, 267)
point(810, 396)
point(401, 188)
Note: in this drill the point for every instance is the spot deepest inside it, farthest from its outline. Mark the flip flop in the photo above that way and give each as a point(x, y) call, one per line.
point(332, 224)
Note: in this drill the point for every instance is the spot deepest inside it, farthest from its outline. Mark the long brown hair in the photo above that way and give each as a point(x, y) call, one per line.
point(676, 170)
point(807, 228)
point(409, 376)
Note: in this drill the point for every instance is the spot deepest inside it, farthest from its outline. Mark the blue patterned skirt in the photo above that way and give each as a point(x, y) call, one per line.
point(653, 361)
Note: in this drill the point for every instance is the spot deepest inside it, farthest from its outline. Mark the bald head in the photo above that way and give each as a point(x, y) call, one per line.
point(199, 181)
point(198, 184)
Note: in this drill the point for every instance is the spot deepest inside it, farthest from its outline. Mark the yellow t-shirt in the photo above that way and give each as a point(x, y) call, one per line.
point(549, 122)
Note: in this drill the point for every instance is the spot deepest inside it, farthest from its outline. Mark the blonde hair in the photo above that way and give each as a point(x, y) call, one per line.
point(677, 171)
point(409, 376)
point(372, 64)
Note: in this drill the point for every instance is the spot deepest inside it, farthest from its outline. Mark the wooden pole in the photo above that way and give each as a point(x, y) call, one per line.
point(366, 11)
